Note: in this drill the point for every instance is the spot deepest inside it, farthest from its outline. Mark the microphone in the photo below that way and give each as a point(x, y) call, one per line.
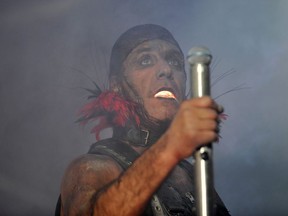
point(199, 59)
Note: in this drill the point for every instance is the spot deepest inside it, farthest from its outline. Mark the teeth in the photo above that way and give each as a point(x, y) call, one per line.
point(165, 94)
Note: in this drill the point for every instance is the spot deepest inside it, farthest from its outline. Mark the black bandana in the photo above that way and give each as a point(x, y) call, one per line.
point(132, 38)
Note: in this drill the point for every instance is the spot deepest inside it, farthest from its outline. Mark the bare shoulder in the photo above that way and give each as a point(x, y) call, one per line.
point(85, 176)
point(91, 169)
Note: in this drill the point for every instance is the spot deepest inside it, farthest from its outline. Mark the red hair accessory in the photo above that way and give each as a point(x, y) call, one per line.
point(111, 110)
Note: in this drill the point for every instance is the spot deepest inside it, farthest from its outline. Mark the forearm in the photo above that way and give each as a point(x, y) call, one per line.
point(131, 192)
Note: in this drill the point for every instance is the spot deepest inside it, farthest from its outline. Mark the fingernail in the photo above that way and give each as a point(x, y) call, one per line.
point(220, 109)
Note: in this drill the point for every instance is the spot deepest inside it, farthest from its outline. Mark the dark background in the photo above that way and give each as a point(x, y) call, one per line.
point(48, 49)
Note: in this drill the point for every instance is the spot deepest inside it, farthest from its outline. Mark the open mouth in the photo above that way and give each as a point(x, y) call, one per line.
point(166, 94)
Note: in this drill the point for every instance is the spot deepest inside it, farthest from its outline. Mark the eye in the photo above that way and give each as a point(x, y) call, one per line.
point(173, 62)
point(145, 60)
point(176, 63)
point(175, 59)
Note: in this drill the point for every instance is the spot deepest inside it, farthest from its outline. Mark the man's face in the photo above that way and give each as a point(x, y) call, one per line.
point(155, 69)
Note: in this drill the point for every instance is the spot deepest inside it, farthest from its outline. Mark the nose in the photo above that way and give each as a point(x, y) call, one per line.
point(164, 70)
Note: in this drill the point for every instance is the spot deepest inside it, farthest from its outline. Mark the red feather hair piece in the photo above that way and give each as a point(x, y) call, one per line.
point(110, 109)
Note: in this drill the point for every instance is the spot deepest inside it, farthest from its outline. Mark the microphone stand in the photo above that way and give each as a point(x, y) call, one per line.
point(199, 59)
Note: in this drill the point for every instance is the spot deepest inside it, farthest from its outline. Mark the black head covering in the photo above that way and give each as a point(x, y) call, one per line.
point(131, 39)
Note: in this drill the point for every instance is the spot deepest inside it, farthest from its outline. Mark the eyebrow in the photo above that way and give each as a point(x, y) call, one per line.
point(173, 52)
point(144, 49)
point(169, 51)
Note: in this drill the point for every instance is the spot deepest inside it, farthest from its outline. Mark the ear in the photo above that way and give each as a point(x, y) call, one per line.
point(114, 84)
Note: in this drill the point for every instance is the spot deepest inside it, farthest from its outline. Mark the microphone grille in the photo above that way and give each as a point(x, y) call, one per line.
point(199, 54)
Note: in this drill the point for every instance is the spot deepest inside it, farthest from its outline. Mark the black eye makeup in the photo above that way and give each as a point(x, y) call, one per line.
point(175, 60)
point(145, 60)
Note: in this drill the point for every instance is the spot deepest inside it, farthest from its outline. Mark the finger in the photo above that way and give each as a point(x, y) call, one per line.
point(207, 101)
point(219, 108)
point(203, 113)
point(208, 114)
point(208, 125)
point(208, 137)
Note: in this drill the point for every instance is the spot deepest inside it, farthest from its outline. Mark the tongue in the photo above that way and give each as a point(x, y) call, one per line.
point(165, 94)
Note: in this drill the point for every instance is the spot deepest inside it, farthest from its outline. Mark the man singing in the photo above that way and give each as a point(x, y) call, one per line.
point(141, 170)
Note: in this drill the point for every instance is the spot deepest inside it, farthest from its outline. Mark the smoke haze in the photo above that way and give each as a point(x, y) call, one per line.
point(51, 50)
